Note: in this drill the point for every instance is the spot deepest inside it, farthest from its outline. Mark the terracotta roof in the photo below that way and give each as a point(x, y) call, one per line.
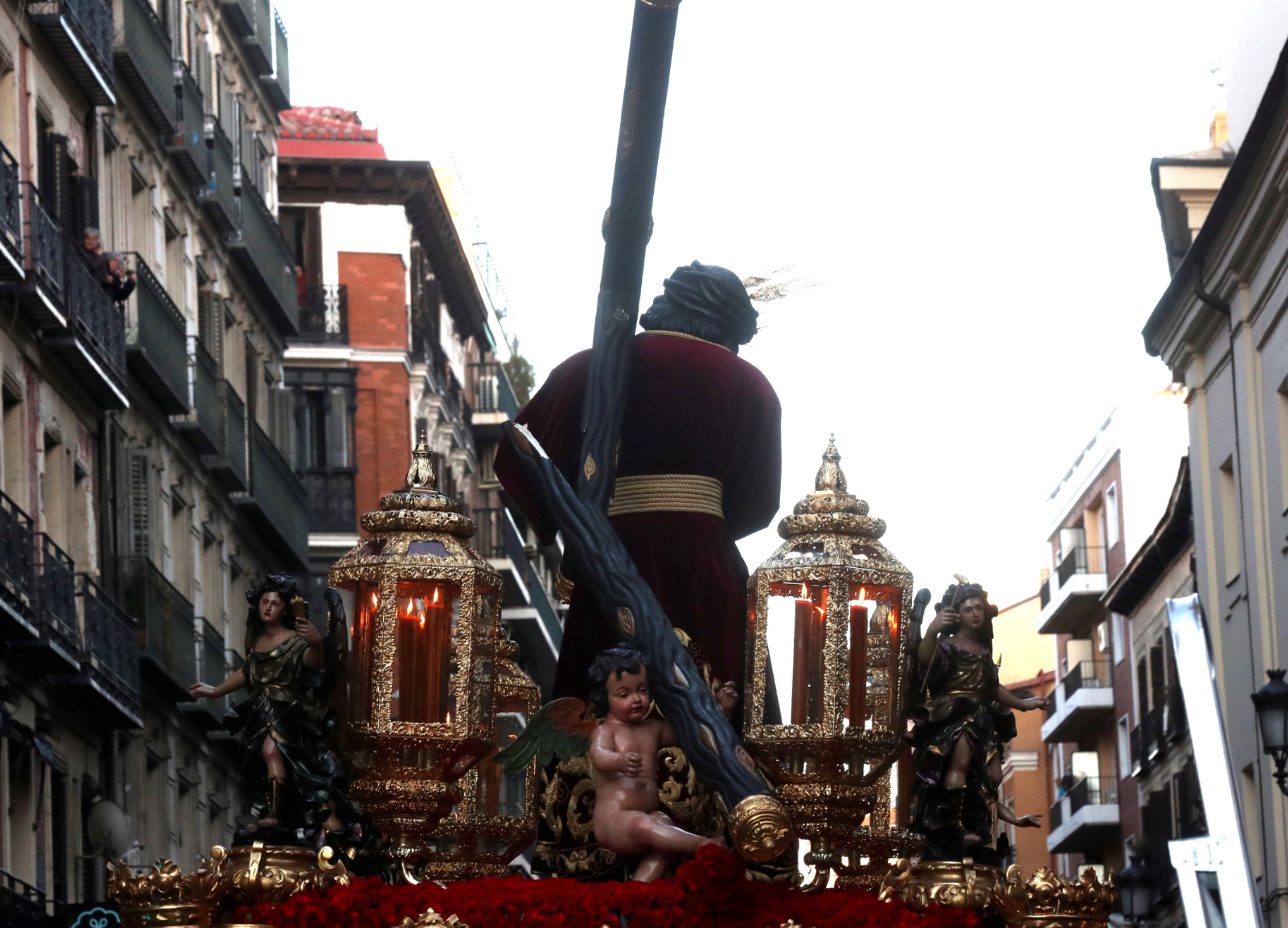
point(326, 132)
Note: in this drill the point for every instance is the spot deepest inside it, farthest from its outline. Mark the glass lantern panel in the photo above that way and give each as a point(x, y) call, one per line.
point(425, 613)
point(361, 645)
point(874, 655)
point(510, 788)
point(795, 631)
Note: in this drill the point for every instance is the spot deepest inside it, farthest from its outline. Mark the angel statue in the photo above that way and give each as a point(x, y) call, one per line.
point(283, 726)
point(622, 750)
point(962, 721)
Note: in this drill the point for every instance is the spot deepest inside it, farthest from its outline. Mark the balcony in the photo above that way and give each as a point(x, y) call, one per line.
point(80, 32)
point(144, 62)
point(1085, 818)
point(332, 506)
point(157, 344)
point(1159, 729)
point(228, 461)
point(21, 904)
point(499, 541)
point(17, 572)
point(278, 84)
point(259, 44)
point(108, 688)
point(276, 503)
point(188, 146)
point(208, 714)
point(12, 262)
point(1083, 700)
point(169, 639)
point(494, 401)
point(201, 425)
point(94, 345)
point(263, 255)
point(42, 295)
point(218, 196)
point(1071, 596)
point(240, 16)
point(57, 645)
point(324, 315)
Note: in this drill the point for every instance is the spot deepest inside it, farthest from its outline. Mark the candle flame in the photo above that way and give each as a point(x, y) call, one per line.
point(435, 594)
point(422, 618)
point(863, 592)
point(449, 716)
point(375, 601)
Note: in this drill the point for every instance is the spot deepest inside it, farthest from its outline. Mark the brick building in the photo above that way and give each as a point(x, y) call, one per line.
point(399, 335)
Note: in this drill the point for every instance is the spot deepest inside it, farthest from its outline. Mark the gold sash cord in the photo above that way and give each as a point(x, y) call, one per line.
point(667, 493)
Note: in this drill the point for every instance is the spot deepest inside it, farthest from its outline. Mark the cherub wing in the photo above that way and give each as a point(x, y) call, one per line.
point(557, 730)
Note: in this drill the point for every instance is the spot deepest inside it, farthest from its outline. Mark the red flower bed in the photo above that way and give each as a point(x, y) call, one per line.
point(707, 892)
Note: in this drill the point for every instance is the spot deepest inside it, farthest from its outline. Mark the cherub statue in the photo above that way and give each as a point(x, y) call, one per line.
point(962, 720)
point(284, 724)
point(622, 750)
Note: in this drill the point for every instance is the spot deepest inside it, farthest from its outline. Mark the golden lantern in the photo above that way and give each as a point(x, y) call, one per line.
point(497, 815)
point(420, 679)
point(830, 615)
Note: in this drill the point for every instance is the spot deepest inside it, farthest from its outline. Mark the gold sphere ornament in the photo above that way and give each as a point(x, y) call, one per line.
point(421, 675)
point(830, 617)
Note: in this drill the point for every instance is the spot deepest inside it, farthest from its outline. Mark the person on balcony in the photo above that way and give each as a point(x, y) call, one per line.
point(117, 279)
point(698, 468)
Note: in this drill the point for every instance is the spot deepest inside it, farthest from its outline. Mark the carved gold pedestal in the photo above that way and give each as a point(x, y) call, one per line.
point(273, 873)
point(166, 897)
point(1045, 901)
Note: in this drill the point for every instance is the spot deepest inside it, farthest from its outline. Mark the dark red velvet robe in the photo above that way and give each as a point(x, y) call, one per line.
point(692, 408)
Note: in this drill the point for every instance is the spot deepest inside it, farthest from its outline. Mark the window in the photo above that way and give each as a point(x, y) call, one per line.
point(1117, 622)
point(1229, 519)
point(1124, 745)
point(1111, 515)
point(1252, 817)
point(15, 444)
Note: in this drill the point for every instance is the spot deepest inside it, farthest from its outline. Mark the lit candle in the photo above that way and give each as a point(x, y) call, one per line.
point(858, 663)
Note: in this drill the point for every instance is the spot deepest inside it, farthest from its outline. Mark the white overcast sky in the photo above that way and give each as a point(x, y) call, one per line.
point(968, 182)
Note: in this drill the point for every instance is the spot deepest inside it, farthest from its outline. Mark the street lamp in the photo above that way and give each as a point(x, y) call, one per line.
point(1134, 890)
point(1271, 702)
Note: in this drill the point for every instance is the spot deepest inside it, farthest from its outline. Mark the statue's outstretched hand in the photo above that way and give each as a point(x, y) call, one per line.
point(1028, 821)
point(727, 697)
point(946, 621)
point(1033, 702)
point(308, 631)
point(201, 691)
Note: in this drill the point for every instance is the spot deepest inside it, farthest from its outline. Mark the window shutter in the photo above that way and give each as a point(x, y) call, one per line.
point(210, 325)
point(86, 204)
point(139, 522)
point(60, 194)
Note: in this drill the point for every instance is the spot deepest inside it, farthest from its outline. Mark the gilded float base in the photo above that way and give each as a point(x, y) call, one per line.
point(273, 873)
point(1044, 901)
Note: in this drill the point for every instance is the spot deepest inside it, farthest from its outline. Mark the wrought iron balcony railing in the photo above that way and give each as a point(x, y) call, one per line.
point(44, 244)
point(492, 390)
point(188, 145)
point(263, 253)
point(111, 654)
point(95, 350)
point(218, 195)
point(158, 342)
point(170, 643)
point(145, 63)
point(12, 260)
point(228, 462)
point(259, 44)
point(81, 33)
point(1085, 674)
point(276, 501)
point(278, 84)
point(1081, 560)
point(56, 578)
point(17, 560)
point(324, 315)
point(332, 506)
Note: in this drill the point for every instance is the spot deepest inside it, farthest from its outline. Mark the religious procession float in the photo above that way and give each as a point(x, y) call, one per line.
point(704, 722)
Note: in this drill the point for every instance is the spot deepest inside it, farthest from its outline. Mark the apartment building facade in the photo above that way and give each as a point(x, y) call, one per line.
point(1218, 329)
point(1158, 750)
point(1098, 514)
point(143, 483)
point(399, 337)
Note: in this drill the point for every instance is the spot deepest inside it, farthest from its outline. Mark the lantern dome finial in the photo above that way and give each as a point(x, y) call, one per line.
point(420, 476)
point(831, 507)
point(830, 479)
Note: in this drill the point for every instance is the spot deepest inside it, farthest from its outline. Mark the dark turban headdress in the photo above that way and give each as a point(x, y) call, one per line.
point(712, 296)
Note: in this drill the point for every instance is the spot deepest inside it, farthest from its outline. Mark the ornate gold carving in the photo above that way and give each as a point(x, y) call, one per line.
point(1045, 901)
point(832, 772)
point(564, 588)
point(678, 676)
point(420, 476)
point(431, 919)
point(708, 738)
point(273, 873)
point(626, 620)
point(406, 773)
point(760, 828)
point(164, 895)
point(745, 759)
point(589, 468)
